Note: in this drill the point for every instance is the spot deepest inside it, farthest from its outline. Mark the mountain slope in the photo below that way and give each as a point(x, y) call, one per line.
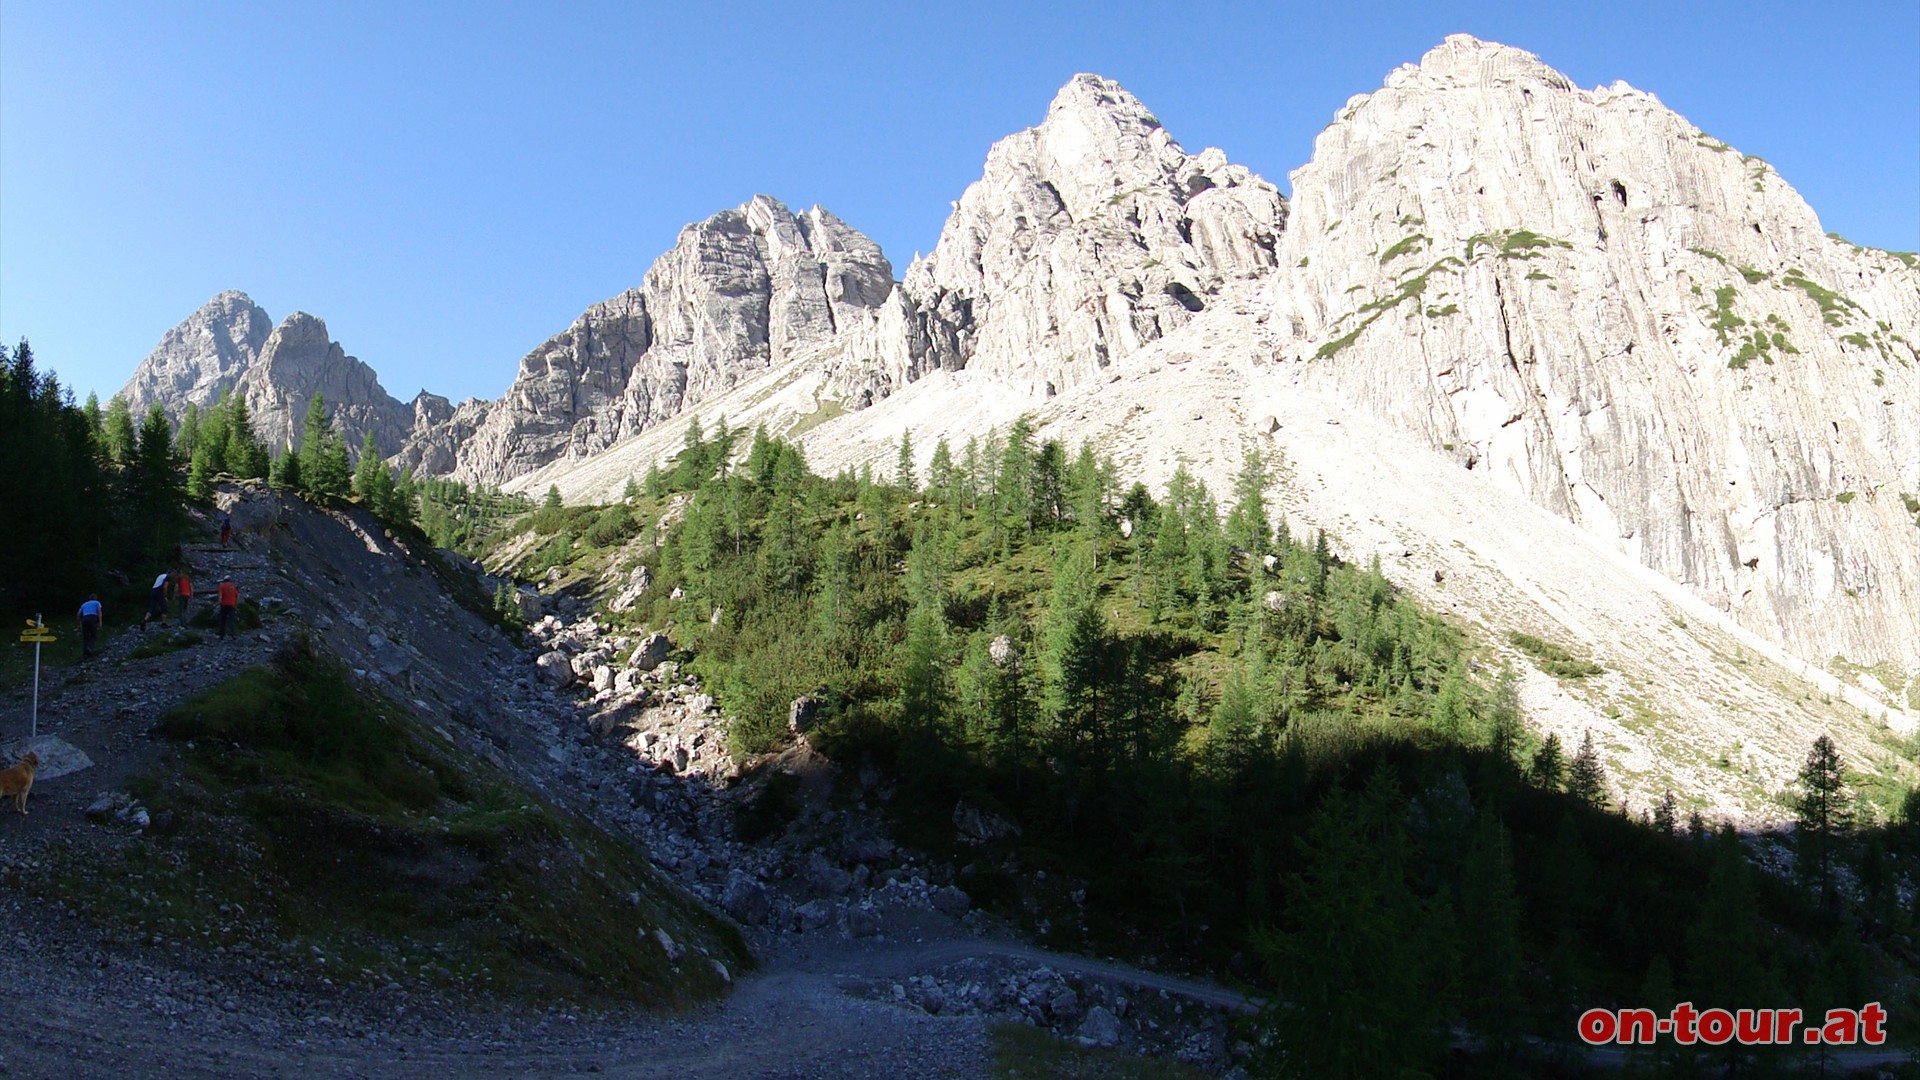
point(1507, 335)
point(1583, 297)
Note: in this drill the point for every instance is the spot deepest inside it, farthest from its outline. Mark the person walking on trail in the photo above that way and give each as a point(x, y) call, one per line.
point(157, 601)
point(226, 529)
point(90, 616)
point(229, 601)
point(183, 588)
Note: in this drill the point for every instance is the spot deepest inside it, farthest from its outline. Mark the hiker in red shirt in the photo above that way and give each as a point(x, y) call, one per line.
point(229, 600)
point(183, 587)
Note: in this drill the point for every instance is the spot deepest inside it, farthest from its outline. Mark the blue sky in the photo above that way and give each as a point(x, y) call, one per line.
point(449, 184)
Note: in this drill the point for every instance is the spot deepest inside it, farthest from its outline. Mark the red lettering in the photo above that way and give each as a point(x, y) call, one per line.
point(1683, 1021)
point(1784, 1021)
point(1637, 1026)
point(1716, 1026)
point(1842, 1027)
point(1873, 1021)
point(1597, 1026)
point(1752, 1026)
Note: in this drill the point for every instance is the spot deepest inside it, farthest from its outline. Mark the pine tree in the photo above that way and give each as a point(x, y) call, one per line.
point(1360, 998)
point(940, 478)
point(213, 435)
point(187, 440)
point(246, 458)
point(552, 500)
point(1248, 528)
point(1587, 777)
point(1666, 814)
point(1489, 902)
point(903, 466)
point(1825, 817)
point(1548, 768)
point(121, 437)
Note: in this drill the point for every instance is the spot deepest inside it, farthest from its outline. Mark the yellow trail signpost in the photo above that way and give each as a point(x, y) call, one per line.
point(37, 633)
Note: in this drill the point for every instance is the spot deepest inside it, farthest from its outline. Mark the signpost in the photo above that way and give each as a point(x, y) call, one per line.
point(37, 633)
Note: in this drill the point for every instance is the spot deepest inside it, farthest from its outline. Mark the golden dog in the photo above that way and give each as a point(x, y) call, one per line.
point(18, 780)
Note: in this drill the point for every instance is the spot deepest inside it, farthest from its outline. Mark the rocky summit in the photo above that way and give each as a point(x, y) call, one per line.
point(1570, 364)
point(231, 346)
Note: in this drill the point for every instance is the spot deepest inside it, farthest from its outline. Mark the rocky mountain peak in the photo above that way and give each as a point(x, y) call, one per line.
point(231, 345)
point(1085, 238)
point(202, 356)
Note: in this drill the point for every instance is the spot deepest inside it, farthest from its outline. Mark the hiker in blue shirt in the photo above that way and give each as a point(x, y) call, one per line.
point(90, 614)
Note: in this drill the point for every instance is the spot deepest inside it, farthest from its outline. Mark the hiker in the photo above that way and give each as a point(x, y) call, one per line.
point(229, 600)
point(157, 601)
point(183, 588)
point(226, 530)
point(90, 614)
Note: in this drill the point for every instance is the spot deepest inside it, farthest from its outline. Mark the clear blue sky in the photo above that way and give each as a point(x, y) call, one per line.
point(449, 184)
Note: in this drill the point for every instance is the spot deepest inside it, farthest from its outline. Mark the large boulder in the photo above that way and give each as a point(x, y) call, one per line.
point(803, 713)
point(746, 899)
point(555, 668)
point(651, 652)
point(981, 825)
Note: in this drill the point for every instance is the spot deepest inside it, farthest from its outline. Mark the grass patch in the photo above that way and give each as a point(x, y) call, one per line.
point(1724, 320)
point(309, 819)
point(1553, 659)
point(1833, 306)
point(1844, 497)
point(1441, 312)
point(1021, 1051)
point(1405, 246)
point(1754, 277)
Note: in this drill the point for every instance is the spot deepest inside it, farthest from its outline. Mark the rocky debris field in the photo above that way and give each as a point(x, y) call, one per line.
point(872, 960)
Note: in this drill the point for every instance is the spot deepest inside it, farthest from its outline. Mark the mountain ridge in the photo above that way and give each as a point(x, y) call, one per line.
point(1572, 298)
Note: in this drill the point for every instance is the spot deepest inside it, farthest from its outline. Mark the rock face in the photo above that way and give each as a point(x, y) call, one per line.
point(1085, 238)
point(744, 290)
point(231, 345)
point(1592, 302)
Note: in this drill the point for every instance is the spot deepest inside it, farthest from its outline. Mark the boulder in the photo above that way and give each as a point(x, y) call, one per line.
point(1100, 1028)
point(602, 676)
point(555, 668)
point(746, 899)
point(650, 652)
point(951, 901)
point(803, 713)
point(813, 915)
point(1003, 654)
point(981, 825)
point(639, 579)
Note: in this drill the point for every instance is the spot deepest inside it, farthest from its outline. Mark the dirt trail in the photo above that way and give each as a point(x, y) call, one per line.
point(86, 1003)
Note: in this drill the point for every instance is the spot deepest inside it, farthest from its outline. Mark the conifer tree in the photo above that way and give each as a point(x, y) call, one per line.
point(940, 478)
point(1587, 777)
point(96, 420)
point(1360, 997)
point(213, 435)
point(1666, 814)
point(1824, 818)
point(187, 439)
point(245, 457)
point(1248, 528)
point(903, 476)
point(1548, 766)
point(121, 437)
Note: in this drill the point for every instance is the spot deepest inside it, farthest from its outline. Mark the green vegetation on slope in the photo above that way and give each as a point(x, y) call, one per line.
point(299, 815)
point(1290, 764)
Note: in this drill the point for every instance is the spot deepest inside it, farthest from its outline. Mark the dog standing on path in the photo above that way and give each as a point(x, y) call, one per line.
point(18, 780)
